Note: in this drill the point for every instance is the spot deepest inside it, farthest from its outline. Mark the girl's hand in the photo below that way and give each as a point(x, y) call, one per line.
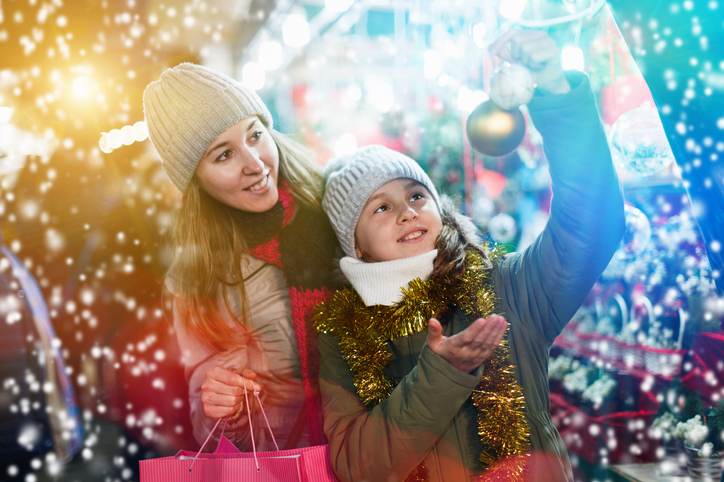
point(470, 348)
point(536, 51)
point(222, 392)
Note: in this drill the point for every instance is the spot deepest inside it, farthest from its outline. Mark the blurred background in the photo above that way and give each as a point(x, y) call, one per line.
point(89, 367)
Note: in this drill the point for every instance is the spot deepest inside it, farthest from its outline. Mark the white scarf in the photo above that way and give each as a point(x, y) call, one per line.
point(381, 283)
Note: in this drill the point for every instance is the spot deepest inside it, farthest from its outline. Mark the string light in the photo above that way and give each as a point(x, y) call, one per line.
point(572, 58)
point(270, 55)
point(512, 9)
point(345, 144)
point(295, 31)
point(253, 75)
point(379, 93)
point(125, 136)
point(6, 113)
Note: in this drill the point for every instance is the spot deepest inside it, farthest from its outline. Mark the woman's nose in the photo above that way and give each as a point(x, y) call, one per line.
point(251, 163)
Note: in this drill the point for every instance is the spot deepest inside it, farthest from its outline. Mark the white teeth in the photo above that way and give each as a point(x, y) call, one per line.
point(259, 185)
point(414, 235)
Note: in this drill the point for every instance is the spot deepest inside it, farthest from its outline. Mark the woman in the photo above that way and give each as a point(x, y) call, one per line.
point(253, 255)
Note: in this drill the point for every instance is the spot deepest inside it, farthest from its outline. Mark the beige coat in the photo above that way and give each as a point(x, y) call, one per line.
point(271, 353)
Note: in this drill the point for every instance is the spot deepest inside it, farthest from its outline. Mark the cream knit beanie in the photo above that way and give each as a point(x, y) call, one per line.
point(187, 108)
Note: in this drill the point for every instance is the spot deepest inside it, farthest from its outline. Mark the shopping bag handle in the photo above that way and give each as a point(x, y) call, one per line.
point(251, 429)
point(263, 413)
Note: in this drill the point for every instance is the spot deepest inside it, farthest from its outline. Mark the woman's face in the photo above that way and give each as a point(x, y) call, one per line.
point(241, 167)
point(400, 220)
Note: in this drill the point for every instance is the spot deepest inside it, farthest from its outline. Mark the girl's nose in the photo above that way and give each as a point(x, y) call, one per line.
point(408, 214)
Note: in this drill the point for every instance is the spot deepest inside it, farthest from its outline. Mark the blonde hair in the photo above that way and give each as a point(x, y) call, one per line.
point(209, 244)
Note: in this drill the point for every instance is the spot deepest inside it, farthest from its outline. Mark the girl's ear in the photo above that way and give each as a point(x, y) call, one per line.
point(359, 253)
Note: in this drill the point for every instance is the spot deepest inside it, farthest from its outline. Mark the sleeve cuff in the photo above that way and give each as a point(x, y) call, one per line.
point(442, 367)
point(580, 92)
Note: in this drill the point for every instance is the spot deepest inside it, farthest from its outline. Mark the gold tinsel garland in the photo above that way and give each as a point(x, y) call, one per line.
point(363, 334)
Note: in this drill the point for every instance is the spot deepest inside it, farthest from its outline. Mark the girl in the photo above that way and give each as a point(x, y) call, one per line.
point(253, 254)
point(419, 379)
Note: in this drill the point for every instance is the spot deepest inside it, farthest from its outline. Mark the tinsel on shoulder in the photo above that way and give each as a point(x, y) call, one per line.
point(363, 334)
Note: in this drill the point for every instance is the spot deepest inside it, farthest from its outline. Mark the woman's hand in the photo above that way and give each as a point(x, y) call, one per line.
point(222, 392)
point(536, 51)
point(470, 348)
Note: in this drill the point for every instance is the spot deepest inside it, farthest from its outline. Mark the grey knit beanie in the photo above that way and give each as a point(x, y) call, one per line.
point(187, 108)
point(352, 179)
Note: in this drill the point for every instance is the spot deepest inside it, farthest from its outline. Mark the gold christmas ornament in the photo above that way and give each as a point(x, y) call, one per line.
point(493, 131)
point(496, 127)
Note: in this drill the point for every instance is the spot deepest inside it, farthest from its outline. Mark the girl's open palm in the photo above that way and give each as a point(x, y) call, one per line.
point(470, 348)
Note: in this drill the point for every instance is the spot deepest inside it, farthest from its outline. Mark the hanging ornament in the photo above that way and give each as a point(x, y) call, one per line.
point(497, 127)
point(502, 228)
point(637, 233)
point(493, 131)
point(638, 142)
point(483, 209)
point(511, 86)
point(633, 261)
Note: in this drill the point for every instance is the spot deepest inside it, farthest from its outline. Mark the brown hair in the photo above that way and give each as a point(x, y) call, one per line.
point(209, 243)
point(458, 234)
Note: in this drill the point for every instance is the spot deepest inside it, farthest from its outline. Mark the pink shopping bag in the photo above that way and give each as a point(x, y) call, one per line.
point(227, 463)
point(222, 468)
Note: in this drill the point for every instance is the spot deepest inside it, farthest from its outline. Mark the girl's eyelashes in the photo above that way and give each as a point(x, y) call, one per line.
point(414, 197)
point(380, 209)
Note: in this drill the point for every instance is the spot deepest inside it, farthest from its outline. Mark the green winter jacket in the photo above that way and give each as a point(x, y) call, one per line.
point(428, 417)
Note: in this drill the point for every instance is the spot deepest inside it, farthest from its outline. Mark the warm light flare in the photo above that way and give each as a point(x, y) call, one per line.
point(82, 87)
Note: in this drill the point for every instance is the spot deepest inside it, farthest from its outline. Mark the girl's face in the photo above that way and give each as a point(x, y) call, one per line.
point(400, 220)
point(241, 167)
